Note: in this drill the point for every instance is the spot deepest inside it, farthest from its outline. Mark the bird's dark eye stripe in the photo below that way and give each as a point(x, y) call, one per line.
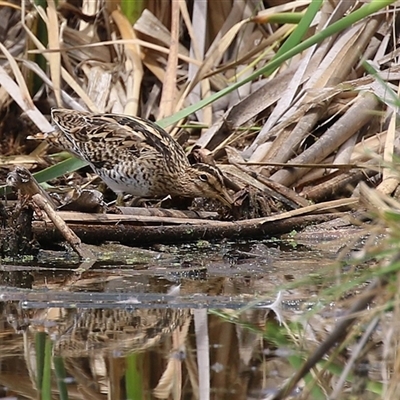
point(201, 167)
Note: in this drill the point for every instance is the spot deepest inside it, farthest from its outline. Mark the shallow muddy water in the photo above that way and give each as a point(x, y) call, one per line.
point(191, 321)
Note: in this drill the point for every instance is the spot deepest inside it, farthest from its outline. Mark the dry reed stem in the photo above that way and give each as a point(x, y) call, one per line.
point(23, 180)
point(133, 64)
point(55, 57)
point(168, 95)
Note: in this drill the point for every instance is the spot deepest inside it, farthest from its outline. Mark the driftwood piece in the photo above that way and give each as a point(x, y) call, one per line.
point(252, 228)
point(134, 235)
point(89, 218)
point(23, 180)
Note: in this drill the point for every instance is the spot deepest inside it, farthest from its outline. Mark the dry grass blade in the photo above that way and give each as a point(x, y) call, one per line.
point(54, 57)
point(9, 4)
point(289, 6)
point(19, 160)
point(81, 47)
point(101, 55)
point(214, 55)
point(168, 96)
point(154, 30)
point(197, 35)
point(340, 56)
point(150, 26)
point(85, 218)
point(25, 95)
point(134, 63)
point(20, 94)
point(70, 101)
point(64, 73)
point(99, 86)
point(390, 177)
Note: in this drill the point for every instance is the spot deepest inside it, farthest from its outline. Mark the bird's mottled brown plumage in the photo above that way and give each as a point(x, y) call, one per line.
point(134, 155)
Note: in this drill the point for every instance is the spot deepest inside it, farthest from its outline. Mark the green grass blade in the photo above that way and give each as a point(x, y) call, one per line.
point(64, 167)
point(285, 18)
point(132, 9)
point(40, 343)
point(59, 369)
point(297, 35)
point(41, 34)
point(133, 377)
point(46, 383)
point(55, 171)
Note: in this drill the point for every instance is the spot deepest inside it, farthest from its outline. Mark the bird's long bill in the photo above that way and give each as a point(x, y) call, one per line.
point(225, 198)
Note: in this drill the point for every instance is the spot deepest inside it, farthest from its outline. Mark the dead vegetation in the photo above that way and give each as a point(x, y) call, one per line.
point(308, 131)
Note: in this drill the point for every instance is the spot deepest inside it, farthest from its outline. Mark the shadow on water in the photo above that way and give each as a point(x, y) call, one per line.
point(180, 322)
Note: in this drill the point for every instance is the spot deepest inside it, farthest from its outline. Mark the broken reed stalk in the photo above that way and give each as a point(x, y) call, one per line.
point(26, 184)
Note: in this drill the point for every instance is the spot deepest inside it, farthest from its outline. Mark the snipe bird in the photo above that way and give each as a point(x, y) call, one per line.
point(134, 155)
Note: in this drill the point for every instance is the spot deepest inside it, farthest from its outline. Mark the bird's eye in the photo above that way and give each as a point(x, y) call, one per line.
point(203, 177)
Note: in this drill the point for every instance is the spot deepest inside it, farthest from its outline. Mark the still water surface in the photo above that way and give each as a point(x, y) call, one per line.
point(185, 322)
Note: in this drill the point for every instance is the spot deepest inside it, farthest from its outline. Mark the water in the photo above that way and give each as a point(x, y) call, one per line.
point(190, 321)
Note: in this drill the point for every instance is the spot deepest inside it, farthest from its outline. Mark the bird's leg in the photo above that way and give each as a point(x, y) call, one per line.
point(120, 200)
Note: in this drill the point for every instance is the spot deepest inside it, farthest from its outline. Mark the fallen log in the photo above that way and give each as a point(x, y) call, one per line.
point(136, 235)
point(130, 233)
